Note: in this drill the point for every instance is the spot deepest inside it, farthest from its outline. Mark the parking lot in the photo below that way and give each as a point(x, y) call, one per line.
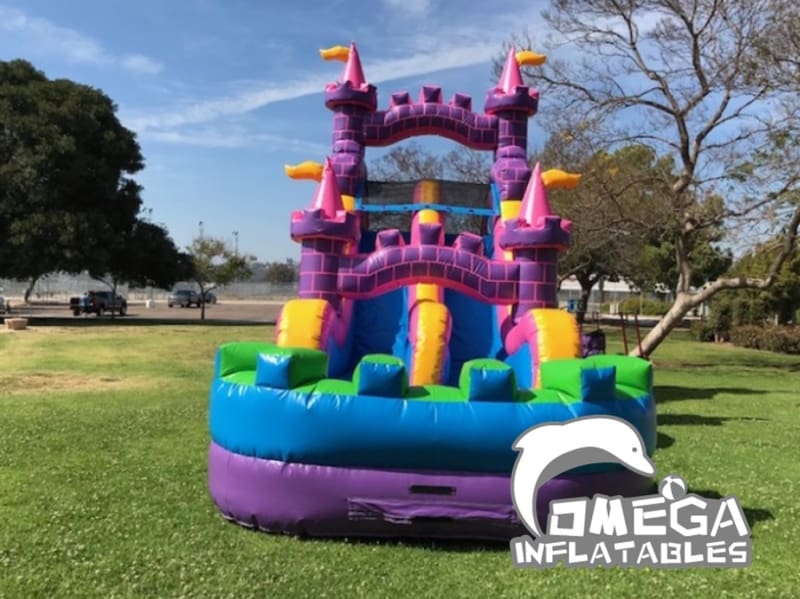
point(255, 311)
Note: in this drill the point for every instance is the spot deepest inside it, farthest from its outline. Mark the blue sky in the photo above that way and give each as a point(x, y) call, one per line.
point(223, 93)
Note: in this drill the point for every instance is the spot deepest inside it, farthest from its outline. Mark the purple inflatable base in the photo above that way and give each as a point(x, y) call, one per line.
point(325, 501)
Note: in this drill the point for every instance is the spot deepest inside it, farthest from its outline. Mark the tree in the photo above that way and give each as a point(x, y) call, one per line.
point(779, 303)
point(615, 210)
point(282, 272)
point(144, 255)
point(213, 263)
point(65, 162)
point(656, 268)
point(713, 84)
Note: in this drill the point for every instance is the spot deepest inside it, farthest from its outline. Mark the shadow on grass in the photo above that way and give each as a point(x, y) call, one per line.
point(449, 545)
point(754, 515)
point(666, 393)
point(696, 420)
point(124, 321)
point(761, 359)
point(663, 441)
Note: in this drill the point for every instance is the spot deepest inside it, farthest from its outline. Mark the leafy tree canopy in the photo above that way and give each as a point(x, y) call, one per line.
point(65, 165)
point(145, 255)
point(282, 272)
point(780, 303)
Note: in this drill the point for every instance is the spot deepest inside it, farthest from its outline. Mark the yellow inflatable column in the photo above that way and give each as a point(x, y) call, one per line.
point(557, 336)
point(301, 323)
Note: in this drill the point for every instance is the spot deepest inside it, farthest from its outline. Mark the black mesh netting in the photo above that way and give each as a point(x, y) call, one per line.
point(451, 193)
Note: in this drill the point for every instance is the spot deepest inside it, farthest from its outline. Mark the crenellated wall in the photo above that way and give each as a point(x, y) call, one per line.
point(366, 275)
point(430, 116)
point(503, 128)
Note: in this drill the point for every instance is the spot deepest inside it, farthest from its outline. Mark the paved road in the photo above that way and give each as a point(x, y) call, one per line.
point(259, 312)
point(263, 311)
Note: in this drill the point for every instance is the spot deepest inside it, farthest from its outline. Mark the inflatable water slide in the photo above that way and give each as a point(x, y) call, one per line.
point(414, 356)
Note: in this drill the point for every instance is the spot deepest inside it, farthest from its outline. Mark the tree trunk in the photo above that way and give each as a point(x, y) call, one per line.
point(113, 297)
point(202, 303)
point(680, 308)
point(580, 314)
point(587, 283)
point(30, 287)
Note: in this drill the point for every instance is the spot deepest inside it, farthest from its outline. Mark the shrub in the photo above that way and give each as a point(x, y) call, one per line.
point(782, 339)
point(747, 336)
point(702, 330)
point(646, 307)
point(737, 308)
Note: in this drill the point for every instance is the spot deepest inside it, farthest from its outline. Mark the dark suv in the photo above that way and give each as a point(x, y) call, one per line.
point(97, 302)
point(185, 298)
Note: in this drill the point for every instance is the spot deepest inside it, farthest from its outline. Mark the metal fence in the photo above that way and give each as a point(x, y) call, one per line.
point(60, 287)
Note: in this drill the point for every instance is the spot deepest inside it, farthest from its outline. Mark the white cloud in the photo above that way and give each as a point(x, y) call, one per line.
point(138, 63)
point(468, 54)
point(66, 42)
point(42, 36)
point(429, 50)
point(414, 8)
point(213, 137)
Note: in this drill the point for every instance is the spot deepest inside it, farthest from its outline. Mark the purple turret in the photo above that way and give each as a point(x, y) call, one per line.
point(324, 229)
point(535, 238)
point(513, 103)
point(350, 99)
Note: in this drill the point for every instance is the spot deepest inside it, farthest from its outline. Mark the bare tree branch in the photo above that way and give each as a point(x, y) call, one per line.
point(713, 83)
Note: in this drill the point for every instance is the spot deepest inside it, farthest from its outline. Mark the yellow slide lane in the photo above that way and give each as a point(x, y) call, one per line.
point(429, 315)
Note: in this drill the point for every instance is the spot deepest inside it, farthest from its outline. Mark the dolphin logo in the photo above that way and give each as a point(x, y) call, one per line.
point(547, 450)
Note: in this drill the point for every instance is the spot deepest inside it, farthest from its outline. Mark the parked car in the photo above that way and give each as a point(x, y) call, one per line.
point(185, 298)
point(98, 302)
point(209, 297)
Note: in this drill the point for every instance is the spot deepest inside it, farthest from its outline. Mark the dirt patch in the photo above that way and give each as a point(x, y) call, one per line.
point(6, 331)
point(32, 329)
point(17, 384)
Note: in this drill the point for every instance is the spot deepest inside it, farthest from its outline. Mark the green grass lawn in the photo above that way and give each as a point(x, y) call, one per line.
point(103, 439)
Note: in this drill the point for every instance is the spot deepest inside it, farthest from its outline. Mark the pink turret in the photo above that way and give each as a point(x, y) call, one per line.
point(352, 70)
point(326, 230)
point(535, 237)
point(511, 78)
point(328, 198)
point(351, 99)
point(535, 206)
point(513, 103)
point(536, 226)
